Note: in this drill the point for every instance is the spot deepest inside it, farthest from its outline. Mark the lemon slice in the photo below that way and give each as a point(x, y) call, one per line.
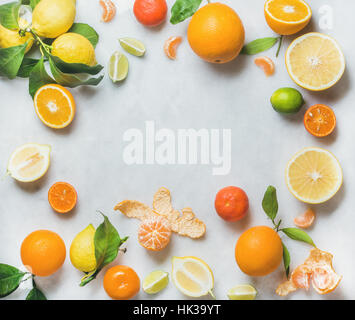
point(315, 61)
point(29, 162)
point(132, 46)
point(314, 175)
point(192, 276)
point(242, 292)
point(118, 67)
point(155, 281)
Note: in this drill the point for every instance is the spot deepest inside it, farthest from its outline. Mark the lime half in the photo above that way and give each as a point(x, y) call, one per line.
point(132, 46)
point(118, 67)
point(155, 282)
point(242, 292)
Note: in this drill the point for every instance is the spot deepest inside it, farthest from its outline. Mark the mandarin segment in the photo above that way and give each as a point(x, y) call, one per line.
point(305, 220)
point(266, 64)
point(109, 10)
point(171, 45)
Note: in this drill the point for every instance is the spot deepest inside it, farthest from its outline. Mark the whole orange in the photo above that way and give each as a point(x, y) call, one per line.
point(43, 252)
point(150, 13)
point(121, 283)
point(258, 251)
point(216, 33)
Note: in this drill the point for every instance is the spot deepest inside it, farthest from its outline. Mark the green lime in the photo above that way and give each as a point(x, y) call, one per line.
point(287, 100)
point(132, 46)
point(155, 281)
point(118, 67)
point(242, 292)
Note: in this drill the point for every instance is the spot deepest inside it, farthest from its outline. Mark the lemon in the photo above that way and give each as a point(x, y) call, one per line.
point(51, 18)
point(12, 38)
point(242, 292)
point(314, 175)
point(155, 281)
point(315, 61)
point(118, 67)
point(74, 48)
point(132, 46)
point(29, 162)
point(82, 250)
point(192, 276)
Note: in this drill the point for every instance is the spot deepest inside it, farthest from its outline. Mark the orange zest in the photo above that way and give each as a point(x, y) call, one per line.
point(266, 64)
point(154, 233)
point(170, 47)
point(109, 10)
point(305, 220)
point(319, 120)
point(62, 197)
point(54, 105)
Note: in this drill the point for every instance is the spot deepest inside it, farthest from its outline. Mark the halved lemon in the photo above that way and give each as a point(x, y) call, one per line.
point(315, 61)
point(192, 276)
point(242, 292)
point(314, 175)
point(29, 162)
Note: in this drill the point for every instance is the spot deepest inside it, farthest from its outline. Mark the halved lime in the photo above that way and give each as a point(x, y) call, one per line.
point(155, 282)
point(132, 46)
point(242, 292)
point(118, 67)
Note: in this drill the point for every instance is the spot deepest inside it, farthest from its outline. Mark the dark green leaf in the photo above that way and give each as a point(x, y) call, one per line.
point(287, 259)
point(298, 234)
point(86, 31)
point(10, 279)
point(75, 67)
point(9, 15)
point(36, 294)
point(11, 59)
point(183, 9)
point(26, 67)
point(259, 45)
point(38, 78)
point(269, 203)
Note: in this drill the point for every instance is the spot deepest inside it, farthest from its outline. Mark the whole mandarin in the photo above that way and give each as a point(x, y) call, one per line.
point(150, 13)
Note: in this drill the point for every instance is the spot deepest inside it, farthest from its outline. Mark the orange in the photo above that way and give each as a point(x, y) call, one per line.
point(287, 17)
point(62, 197)
point(154, 233)
point(258, 251)
point(266, 64)
point(109, 10)
point(43, 252)
point(216, 33)
point(54, 105)
point(319, 120)
point(121, 283)
point(170, 47)
point(150, 13)
point(305, 220)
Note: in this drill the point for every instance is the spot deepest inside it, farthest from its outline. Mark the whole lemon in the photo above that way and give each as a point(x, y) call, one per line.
point(82, 250)
point(51, 18)
point(11, 38)
point(216, 33)
point(74, 48)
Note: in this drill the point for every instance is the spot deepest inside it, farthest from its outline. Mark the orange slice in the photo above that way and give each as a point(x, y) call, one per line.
point(287, 17)
point(109, 10)
point(305, 220)
point(154, 233)
point(54, 105)
point(62, 197)
point(319, 120)
point(266, 64)
point(170, 47)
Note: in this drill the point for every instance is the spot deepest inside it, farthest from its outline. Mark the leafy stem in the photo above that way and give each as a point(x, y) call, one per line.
point(279, 46)
point(46, 47)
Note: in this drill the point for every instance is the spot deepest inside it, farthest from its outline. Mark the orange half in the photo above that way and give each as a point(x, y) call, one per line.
point(319, 120)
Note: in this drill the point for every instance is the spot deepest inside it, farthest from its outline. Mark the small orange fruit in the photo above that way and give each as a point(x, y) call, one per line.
point(54, 105)
point(319, 120)
point(121, 283)
point(287, 17)
point(305, 220)
point(150, 13)
point(43, 252)
point(266, 64)
point(62, 197)
point(170, 47)
point(216, 33)
point(154, 233)
point(109, 10)
point(258, 251)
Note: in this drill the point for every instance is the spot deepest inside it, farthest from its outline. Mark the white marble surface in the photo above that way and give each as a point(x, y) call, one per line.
point(186, 93)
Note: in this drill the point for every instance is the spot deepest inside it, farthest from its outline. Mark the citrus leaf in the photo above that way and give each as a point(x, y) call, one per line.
point(38, 78)
point(269, 203)
point(36, 294)
point(11, 59)
point(9, 15)
point(75, 67)
point(26, 67)
point(10, 279)
point(86, 31)
point(259, 45)
point(298, 234)
point(183, 9)
point(286, 259)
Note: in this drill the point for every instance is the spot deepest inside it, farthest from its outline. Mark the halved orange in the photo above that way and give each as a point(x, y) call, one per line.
point(266, 64)
point(54, 105)
point(305, 220)
point(319, 120)
point(170, 47)
point(62, 197)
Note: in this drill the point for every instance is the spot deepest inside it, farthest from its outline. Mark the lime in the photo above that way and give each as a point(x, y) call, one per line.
point(118, 67)
point(155, 281)
point(242, 292)
point(287, 100)
point(132, 46)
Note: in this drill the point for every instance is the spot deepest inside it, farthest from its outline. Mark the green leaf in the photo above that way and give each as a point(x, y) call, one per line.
point(269, 203)
point(38, 78)
point(259, 45)
point(9, 15)
point(10, 279)
point(75, 67)
point(183, 9)
point(36, 294)
point(86, 31)
point(26, 67)
point(298, 234)
point(11, 59)
point(287, 259)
